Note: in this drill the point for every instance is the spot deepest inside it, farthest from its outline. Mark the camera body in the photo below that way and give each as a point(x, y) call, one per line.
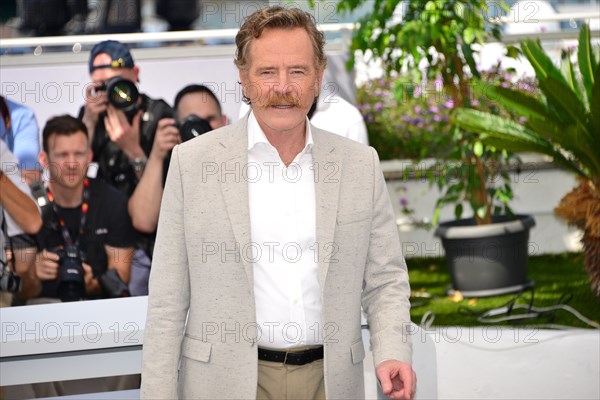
point(70, 280)
point(9, 281)
point(122, 93)
point(192, 126)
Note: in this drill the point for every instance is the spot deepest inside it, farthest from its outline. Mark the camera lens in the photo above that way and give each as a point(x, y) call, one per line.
point(122, 93)
point(71, 285)
point(192, 126)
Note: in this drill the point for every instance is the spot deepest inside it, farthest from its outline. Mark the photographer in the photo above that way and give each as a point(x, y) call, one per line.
point(85, 244)
point(122, 123)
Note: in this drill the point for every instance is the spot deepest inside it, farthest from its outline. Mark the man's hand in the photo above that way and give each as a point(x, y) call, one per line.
point(126, 135)
point(96, 103)
point(46, 265)
point(92, 286)
point(397, 379)
point(167, 136)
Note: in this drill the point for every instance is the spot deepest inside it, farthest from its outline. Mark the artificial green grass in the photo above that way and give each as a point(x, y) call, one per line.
point(557, 279)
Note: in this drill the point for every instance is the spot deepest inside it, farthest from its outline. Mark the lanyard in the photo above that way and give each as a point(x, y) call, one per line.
point(84, 210)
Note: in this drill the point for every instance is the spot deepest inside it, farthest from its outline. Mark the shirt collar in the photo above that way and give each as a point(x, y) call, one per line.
point(256, 135)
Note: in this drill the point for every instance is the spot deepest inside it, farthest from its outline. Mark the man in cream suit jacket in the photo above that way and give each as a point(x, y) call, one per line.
point(272, 234)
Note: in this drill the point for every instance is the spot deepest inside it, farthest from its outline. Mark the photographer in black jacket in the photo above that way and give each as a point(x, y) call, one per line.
point(86, 241)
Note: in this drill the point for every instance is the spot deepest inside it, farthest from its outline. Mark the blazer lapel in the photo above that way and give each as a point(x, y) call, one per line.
point(328, 172)
point(234, 187)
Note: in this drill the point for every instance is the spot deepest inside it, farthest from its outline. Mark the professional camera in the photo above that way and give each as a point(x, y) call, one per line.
point(122, 93)
point(192, 126)
point(71, 283)
point(9, 281)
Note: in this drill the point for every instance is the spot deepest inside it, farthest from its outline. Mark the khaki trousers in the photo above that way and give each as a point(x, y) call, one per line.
point(292, 382)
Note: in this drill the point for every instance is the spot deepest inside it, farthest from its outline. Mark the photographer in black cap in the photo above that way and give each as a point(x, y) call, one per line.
point(86, 242)
point(122, 122)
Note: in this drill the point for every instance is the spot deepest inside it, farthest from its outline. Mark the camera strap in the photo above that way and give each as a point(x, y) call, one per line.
point(84, 210)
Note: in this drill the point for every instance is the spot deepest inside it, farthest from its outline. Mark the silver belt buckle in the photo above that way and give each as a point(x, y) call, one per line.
point(285, 358)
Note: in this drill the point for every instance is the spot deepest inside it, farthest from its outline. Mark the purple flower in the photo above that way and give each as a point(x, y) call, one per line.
point(378, 106)
point(522, 120)
point(417, 110)
point(434, 109)
point(437, 118)
point(449, 104)
point(475, 103)
point(403, 202)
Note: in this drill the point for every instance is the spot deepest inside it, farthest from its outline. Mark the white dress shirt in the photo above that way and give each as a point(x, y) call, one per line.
point(283, 234)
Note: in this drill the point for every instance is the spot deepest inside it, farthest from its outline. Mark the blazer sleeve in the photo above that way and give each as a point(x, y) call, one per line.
point(169, 292)
point(386, 291)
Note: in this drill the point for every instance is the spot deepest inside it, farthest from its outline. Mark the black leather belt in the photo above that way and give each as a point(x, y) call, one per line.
point(292, 358)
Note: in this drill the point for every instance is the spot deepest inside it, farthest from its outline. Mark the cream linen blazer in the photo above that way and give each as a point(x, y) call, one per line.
point(200, 334)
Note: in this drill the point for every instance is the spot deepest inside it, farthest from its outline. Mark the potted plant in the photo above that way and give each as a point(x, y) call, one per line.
point(564, 124)
point(436, 41)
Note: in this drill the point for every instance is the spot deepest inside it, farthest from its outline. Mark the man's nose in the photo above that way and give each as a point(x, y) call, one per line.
point(72, 163)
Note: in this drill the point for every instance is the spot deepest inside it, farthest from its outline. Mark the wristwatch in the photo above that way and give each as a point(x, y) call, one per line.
point(138, 163)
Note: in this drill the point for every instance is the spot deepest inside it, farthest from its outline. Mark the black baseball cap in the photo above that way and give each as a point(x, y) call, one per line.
point(118, 52)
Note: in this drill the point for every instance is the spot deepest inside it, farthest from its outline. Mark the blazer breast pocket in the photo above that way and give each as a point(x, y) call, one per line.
point(196, 349)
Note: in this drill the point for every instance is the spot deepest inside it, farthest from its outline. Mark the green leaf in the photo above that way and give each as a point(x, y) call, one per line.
point(569, 73)
point(558, 93)
point(478, 149)
point(506, 134)
point(469, 36)
point(513, 52)
point(595, 106)
point(587, 62)
point(519, 102)
point(436, 216)
point(481, 212)
point(566, 137)
point(468, 54)
point(458, 211)
point(541, 62)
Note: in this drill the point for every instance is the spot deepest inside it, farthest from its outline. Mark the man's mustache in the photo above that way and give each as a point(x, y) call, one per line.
point(280, 100)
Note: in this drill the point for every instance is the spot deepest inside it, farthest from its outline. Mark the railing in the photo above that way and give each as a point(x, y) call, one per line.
point(344, 28)
point(66, 341)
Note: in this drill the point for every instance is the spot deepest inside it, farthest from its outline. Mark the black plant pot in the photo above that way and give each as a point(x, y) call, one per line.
point(487, 260)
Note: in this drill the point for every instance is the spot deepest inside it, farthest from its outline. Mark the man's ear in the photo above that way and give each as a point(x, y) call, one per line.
point(90, 155)
point(44, 159)
point(319, 81)
point(244, 79)
point(136, 73)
